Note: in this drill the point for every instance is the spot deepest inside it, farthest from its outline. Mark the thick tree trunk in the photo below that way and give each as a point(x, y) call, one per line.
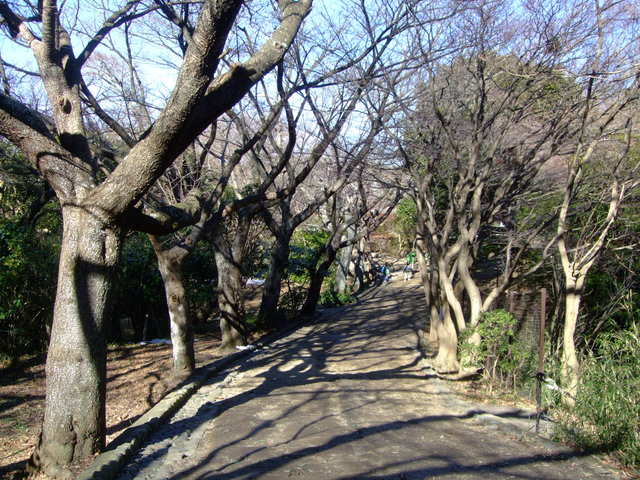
point(74, 417)
point(313, 293)
point(228, 255)
point(170, 264)
point(268, 314)
point(230, 302)
point(570, 366)
point(315, 286)
point(435, 307)
point(446, 360)
point(359, 268)
point(364, 274)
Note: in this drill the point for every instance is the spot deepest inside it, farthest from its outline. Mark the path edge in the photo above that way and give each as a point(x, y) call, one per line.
point(110, 462)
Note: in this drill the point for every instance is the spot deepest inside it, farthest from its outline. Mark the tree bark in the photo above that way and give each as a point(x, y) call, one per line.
point(470, 286)
point(448, 288)
point(268, 315)
point(446, 360)
point(344, 261)
point(427, 281)
point(230, 302)
point(361, 267)
point(315, 286)
point(74, 417)
point(171, 264)
point(228, 255)
point(570, 366)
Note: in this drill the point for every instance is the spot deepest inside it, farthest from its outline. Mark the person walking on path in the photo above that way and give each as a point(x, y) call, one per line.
point(386, 273)
point(407, 272)
point(411, 259)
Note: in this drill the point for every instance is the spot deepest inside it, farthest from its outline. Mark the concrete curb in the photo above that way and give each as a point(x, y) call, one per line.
point(109, 463)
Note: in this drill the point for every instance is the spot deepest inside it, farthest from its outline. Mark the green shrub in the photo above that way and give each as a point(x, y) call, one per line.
point(293, 298)
point(329, 297)
point(138, 292)
point(606, 415)
point(28, 268)
point(506, 360)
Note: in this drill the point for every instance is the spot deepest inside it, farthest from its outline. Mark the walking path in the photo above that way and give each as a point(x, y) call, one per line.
point(346, 397)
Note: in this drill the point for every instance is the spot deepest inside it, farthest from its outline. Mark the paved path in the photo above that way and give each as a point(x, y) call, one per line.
point(347, 397)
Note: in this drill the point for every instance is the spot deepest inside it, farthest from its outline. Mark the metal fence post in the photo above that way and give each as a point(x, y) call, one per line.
point(540, 374)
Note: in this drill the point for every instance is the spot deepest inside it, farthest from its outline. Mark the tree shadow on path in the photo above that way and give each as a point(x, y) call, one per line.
point(360, 356)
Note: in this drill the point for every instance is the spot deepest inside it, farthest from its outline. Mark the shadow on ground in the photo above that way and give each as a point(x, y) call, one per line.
point(346, 397)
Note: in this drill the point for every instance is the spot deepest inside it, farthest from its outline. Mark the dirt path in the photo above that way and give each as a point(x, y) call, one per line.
point(347, 397)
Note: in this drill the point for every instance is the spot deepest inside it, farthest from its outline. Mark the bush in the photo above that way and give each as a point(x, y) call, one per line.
point(505, 359)
point(606, 415)
point(28, 268)
point(330, 298)
point(305, 249)
point(138, 292)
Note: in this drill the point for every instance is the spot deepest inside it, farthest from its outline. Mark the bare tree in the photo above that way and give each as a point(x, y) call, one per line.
point(600, 175)
point(97, 209)
point(485, 125)
point(361, 211)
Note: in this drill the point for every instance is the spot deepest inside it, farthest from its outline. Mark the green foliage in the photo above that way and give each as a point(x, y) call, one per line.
point(607, 409)
point(28, 268)
point(611, 301)
point(29, 249)
point(305, 249)
point(138, 291)
point(506, 359)
point(330, 298)
point(406, 219)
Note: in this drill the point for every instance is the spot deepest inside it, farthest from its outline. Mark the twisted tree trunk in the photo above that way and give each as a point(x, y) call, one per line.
point(74, 417)
point(317, 278)
point(344, 261)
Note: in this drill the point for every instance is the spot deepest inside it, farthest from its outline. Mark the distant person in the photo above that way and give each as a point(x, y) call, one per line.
point(379, 274)
point(407, 272)
point(411, 259)
point(386, 274)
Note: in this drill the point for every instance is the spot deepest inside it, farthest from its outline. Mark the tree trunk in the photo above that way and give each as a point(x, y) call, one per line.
point(344, 260)
point(570, 366)
point(366, 264)
point(268, 314)
point(426, 280)
point(446, 360)
point(470, 286)
point(448, 288)
point(359, 262)
point(435, 307)
point(315, 286)
point(170, 264)
point(230, 302)
point(74, 417)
